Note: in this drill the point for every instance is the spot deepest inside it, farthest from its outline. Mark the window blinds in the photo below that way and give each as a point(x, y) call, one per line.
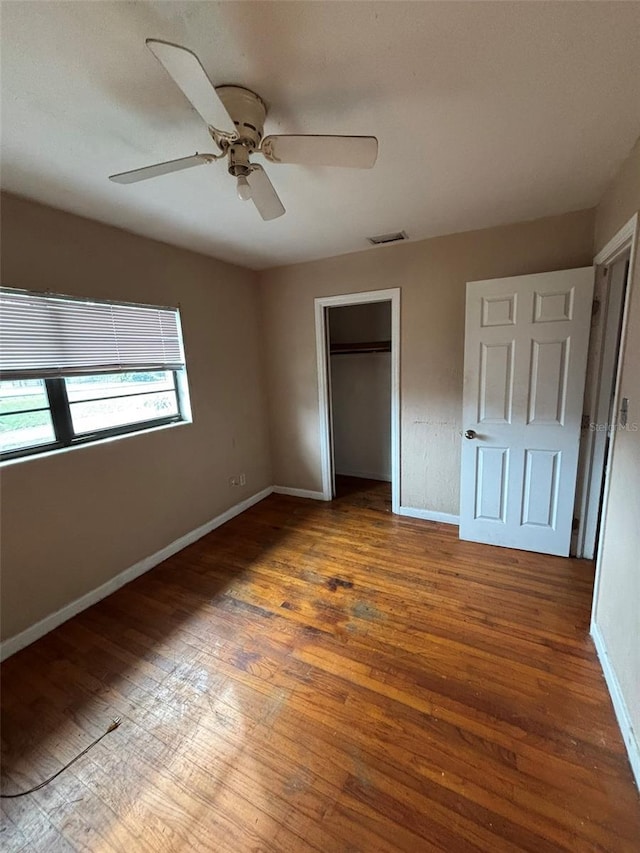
point(46, 335)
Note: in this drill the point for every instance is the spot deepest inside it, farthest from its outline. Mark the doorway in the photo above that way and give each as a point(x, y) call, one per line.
point(603, 413)
point(357, 340)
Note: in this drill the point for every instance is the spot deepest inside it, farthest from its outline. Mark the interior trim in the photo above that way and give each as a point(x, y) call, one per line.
point(618, 242)
point(19, 641)
point(429, 515)
point(321, 303)
point(34, 632)
point(299, 493)
point(619, 705)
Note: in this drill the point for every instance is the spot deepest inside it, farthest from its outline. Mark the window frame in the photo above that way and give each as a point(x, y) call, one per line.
point(120, 343)
point(60, 411)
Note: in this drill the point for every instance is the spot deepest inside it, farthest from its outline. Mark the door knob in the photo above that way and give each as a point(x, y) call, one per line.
point(470, 433)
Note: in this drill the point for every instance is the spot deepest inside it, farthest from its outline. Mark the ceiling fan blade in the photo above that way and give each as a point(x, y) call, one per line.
point(186, 70)
point(161, 169)
point(263, 194)
point(355, 152)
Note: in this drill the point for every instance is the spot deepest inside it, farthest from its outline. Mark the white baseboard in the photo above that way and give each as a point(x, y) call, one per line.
point(429, 515)
point(298, 493)
point(33, 633)
point(619, 704)
point(365, 475)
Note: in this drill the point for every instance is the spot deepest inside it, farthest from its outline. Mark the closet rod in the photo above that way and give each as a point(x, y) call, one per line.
point(368, 346)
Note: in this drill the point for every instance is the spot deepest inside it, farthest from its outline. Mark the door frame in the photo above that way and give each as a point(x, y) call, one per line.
point(593, 499)
point(322, 303)
point(627, 235)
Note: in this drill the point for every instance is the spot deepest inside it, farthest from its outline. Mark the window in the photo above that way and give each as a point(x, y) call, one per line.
point(73, 371)
point(25, 416)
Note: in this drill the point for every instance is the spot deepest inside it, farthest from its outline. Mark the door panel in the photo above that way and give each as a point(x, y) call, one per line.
point(540, 495)
point(491, 483)
point(525, 359)
point(548, 381)
point(553, 307)
point(499, 310)
point(496, 383)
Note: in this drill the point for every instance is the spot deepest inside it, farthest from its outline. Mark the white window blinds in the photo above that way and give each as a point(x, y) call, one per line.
point(46, 335)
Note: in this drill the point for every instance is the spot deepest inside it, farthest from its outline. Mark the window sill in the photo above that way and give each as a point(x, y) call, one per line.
point(31, 457)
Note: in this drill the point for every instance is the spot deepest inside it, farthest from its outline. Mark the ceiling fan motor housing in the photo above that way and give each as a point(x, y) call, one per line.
point(248, 112)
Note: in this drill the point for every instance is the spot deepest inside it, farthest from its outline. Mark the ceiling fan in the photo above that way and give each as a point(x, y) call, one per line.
point(235, 118)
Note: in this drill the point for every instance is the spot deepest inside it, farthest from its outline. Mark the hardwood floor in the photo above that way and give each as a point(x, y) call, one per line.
point(323, 677)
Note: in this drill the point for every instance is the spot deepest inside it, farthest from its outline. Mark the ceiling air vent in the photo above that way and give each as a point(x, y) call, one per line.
point(381, 239)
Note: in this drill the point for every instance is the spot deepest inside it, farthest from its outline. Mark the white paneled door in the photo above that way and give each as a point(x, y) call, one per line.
point(525, 360)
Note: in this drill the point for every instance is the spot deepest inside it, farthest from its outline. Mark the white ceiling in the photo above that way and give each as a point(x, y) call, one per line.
point(486, 113)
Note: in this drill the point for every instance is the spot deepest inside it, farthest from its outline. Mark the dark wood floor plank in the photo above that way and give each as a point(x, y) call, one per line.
point(323, 677)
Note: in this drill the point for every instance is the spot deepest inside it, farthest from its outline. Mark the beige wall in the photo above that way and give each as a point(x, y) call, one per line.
point(73, 520)
point(361, 405)
point(356, 324)
point(432, 275)
point(617, 611)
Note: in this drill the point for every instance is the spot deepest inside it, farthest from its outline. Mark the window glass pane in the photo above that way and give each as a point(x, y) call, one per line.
point(19, 394)
point(28, 429)
point(117, 384)
point(121, 411)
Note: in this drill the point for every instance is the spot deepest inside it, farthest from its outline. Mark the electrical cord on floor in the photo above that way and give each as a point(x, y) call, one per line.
point(114, 725)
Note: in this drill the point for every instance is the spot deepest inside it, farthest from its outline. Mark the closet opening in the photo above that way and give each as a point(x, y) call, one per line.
point(358, 377)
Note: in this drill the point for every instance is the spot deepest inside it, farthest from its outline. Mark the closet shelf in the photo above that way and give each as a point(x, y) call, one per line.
point(368, 346)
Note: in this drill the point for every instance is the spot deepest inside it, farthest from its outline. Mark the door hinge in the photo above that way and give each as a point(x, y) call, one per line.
point(623, 415)
point(584, 423)
point(595, 307)
point(575, 524)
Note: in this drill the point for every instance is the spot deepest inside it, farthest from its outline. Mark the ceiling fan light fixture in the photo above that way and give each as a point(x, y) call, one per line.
point(244, 190)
